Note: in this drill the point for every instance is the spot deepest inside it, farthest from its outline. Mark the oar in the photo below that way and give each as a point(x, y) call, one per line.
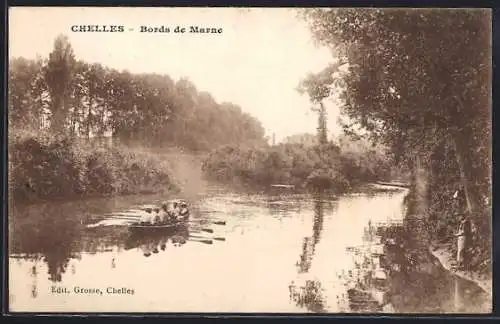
point(207, 230)
point(213, 238)
point(211, 222)
point(203, 241)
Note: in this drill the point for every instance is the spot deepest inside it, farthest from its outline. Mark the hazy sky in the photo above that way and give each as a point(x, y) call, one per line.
point(257, 62)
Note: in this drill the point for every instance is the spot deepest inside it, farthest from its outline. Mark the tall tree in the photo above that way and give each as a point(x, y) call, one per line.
point(58, 74)
point(416, 78)
point(322, 128)
point(319, 87)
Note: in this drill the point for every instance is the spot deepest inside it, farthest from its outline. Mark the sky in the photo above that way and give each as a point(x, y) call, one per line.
point(256, 62)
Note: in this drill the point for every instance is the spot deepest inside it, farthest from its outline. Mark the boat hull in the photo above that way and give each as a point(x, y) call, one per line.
point(139, 228)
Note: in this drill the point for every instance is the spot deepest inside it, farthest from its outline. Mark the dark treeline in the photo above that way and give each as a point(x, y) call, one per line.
point(77, 98)
point(61, 107)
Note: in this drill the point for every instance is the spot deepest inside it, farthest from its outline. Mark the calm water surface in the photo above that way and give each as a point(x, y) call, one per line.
point(276, 252)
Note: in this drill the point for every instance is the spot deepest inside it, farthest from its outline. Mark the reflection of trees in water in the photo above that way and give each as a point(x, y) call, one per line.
point(366, 282)
point(53, 238)
point(309, 243)
point(310, 295)
point(408, 288)
point(414, 288)
point(53, 232)
point(34, 274)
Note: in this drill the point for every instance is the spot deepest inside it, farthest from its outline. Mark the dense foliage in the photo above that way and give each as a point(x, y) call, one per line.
point(79, 99)
point(420, 82)
point(61, 108)
point(46, 167)
point(304, 166)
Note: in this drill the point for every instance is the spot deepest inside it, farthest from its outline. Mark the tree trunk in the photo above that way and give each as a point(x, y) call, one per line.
point(417, 218)
point(471, 179)
point(74, 121)
point(89, 115)
point(59, 117)
point(322, 128)
point(469, 176)
point(464, 138)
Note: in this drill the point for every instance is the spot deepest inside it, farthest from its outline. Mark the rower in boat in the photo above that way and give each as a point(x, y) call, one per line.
point(176, 211)
point(168, 213)
point(147, 217)
point(157, 218)
point(163, 213)
point(180, 211)
point(183, 212)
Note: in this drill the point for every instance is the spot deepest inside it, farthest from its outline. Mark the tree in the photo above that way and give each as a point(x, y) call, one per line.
point(58, 74)
point(145, 109)
point(415, 78)
point(77, 100)
point(121, 104)
point(27, 93)
point(319, 87)
point(322, 128)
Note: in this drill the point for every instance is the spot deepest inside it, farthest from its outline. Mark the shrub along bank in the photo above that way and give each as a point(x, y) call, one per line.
point(44, 167)
point(311, 167)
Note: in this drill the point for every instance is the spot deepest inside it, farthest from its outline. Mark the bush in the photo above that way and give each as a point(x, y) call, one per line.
point(45, 167)
point(314, 167)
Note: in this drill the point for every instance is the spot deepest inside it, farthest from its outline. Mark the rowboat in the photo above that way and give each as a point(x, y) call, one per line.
point(156, 228)
point(161, 227)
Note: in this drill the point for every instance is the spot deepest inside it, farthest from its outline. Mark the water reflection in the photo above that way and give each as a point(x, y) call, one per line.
point(310, 242)
point(394, 283)
point(281, 252)
point(310, 294)
point(55, 234)
point(52, 240)
point(34, 275)
point(153, 243)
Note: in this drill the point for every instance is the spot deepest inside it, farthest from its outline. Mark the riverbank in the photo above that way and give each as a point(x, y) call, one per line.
point(43, 167)
point(443, 253)
point(442, 249)
point(415, 282)
point(315, 167)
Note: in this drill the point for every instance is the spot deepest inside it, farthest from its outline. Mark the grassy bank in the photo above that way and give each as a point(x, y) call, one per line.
point(44, 167)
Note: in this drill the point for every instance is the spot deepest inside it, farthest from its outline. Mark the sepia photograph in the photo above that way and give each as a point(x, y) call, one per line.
point(250, 160)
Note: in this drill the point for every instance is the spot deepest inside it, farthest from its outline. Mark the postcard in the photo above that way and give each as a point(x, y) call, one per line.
point(249, 160)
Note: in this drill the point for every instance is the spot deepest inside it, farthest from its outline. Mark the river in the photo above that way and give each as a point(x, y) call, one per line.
point(276, 252)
